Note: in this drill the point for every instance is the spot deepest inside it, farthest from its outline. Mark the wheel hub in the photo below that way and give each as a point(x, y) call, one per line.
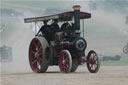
point(36, 54)
point(93, 61)
point(63, 61)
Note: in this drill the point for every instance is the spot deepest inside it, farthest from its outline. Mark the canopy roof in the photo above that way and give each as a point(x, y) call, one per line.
point(66, 16)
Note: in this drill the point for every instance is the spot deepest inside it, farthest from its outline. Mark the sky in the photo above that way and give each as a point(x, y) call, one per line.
point(106, 32)
point(107, 20)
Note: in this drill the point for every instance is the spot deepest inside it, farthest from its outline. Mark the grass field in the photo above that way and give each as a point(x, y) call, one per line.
point(123, 61)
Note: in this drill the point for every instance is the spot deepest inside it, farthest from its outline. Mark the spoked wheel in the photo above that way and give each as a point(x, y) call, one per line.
point(74, 65)
point(93, 63)
point(37, 58)
point(65, 61)
point(125, 50)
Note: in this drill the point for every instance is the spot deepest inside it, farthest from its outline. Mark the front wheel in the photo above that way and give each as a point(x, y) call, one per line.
point(93, 63)
point(65, 61)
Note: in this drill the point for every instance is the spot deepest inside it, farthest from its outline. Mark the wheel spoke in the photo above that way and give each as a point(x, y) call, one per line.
point(91, 66)
point(40, 49)
point(38, 43)
point(33, 48)
point(94, 57)
point(91, 56)
point(94, 54)
point(67, 66)
point(32, 52)
point(95, 66)
point(39, 60)
point(34, 58)
point(40, 54)
point(34, 44)
point(66, 60)
point(94, 61)
point(37, 68)
point(38, 65)
point(34, 61)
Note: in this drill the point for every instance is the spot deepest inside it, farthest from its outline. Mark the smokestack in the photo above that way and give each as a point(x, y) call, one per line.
point(76, 9)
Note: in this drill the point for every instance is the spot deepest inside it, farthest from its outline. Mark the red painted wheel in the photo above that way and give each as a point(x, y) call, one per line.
point(65, 61)
point(37, 58)
point(93, 63)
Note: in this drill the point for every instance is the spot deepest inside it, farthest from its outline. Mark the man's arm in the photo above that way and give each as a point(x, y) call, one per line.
point(39, 30)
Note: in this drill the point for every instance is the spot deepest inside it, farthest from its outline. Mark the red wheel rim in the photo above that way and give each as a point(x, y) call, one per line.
point(64, 61)
point(92, 62)
point(35, 55)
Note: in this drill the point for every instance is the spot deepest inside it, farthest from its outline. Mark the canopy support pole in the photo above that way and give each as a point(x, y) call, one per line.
point(83, 28)
point(35, 28)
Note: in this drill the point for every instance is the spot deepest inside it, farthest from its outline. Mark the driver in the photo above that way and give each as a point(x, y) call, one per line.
point(46, 31)
point(44, 28)
point(65, 27)
point(54, 28)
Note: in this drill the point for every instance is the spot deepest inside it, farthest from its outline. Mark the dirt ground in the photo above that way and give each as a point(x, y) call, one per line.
point(108, 75)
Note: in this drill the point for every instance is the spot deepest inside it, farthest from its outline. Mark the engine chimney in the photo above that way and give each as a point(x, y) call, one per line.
point(76, 9)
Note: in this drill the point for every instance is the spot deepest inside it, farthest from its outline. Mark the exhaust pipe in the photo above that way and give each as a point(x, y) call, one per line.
point(76, 9)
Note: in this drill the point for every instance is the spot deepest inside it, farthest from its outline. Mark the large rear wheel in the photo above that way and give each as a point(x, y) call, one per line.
point(37, 57)
point(93, 63)
point(65, 61)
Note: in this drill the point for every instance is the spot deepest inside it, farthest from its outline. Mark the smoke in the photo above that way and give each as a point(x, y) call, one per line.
point(108, 31)
point(18, 37)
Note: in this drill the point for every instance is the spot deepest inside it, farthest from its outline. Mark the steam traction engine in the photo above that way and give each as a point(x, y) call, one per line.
point(66, 49)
